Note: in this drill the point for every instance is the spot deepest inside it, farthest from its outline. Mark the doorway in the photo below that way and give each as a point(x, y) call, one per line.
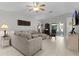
point(60, 29)
point(53, 29)
point(57, 29)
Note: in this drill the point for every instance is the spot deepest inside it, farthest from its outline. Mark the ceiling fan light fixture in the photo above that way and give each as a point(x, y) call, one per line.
point(36, 8)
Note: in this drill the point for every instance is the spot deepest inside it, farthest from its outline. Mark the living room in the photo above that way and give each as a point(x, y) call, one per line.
point(26, 30)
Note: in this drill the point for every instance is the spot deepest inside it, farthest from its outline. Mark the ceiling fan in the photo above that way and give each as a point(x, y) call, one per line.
point(36, 7)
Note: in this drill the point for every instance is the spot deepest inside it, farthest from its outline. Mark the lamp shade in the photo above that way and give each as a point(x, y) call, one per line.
point(4, 26)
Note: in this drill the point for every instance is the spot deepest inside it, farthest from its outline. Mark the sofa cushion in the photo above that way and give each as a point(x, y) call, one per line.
point(32, 31)
point(17, 33)
point(34, 35)
point(23, 34)
point(26, 35)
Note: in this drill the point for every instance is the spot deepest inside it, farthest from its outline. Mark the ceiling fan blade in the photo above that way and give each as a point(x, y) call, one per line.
point(42, 5)
point(28, 6)
point(36, 11)
point(37, 3)
point(42, 9)
point(30, 9)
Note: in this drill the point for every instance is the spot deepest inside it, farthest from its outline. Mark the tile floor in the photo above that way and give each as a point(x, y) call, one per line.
point(56, 47)
point(51, 47)
point(9, 51)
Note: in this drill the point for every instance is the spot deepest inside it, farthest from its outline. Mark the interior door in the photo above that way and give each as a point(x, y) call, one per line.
point(53, 29)
point(47, 28)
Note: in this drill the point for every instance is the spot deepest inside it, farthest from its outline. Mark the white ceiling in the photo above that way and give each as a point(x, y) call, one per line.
point(58, 8)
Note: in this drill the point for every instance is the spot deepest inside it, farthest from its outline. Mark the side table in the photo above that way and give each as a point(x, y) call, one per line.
point(5, 41)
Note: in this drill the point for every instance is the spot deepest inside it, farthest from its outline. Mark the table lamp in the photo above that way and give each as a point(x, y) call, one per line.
point(4, 27)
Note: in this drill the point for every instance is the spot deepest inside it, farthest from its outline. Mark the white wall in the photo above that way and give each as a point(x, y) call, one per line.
point(10, 18)
point(69, 24)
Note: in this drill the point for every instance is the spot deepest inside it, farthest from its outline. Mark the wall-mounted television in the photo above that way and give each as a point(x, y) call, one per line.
point(23, 23)
point(76, 18)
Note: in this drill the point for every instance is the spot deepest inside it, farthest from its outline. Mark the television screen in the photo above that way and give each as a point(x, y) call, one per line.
point(76, 18)
point(23, 23)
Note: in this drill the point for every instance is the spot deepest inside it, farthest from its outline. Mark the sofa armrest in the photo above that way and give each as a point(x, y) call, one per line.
point(35, 45)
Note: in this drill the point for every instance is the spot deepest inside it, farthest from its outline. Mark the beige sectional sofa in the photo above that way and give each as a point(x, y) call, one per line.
point(37, 34)
point(25, 43)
